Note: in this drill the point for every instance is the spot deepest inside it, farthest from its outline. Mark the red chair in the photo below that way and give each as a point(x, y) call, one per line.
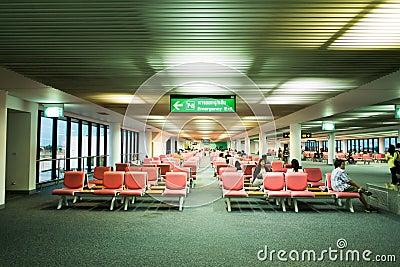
point(73, 183)
point(188, 172)
point(223, 170)
point(274, 187)
point(314, 177)
point(112, 182)
point(153, 173)
point(232, 186)
point(247, 170)
point(339, 195)
point(133, 169)
point(98, 175)
point(164, 168)
point(193, 166)
point(175, 185)
point(277, 166)
point(296, 183)
point(135, 186)
point(121, 166)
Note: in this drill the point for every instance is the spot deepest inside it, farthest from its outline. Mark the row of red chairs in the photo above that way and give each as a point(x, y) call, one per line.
point(128, 185)
point(280, 186)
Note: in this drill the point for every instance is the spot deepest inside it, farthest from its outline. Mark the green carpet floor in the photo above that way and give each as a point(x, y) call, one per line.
point(34, 233)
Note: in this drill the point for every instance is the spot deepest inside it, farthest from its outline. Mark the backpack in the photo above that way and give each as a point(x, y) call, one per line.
point(397, 161)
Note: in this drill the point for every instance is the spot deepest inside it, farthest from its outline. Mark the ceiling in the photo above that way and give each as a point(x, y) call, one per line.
point(285, 60)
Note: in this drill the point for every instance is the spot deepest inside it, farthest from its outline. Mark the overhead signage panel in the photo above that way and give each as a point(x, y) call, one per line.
point(303, 135)
point(201, 104)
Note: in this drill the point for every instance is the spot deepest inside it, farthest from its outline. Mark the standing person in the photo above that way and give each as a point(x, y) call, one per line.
point(342, 182)
point(258, 177)
point(295, 166)
point(286, 155)
point(390, 157)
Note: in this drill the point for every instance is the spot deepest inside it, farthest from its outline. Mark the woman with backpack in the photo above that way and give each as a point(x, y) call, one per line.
point(392, 158)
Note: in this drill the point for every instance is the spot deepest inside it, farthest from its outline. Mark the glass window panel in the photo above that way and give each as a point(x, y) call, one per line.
point(45, 155)
point(61, 144)
point(94, 145)
point(101, 152)
point(74, 145)
point(85, 144)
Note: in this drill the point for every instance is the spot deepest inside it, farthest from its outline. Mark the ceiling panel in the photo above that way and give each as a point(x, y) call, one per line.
point(295, 52)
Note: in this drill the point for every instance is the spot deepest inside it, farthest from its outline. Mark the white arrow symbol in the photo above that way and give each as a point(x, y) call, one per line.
point(177, 105)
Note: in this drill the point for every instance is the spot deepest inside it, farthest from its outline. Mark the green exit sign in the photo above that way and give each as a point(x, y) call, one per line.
point(201, 104)
point(397, 112)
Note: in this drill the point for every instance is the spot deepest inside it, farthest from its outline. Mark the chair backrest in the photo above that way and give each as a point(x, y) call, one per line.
point(113, 180)
point(146, 160)
point(226, 169)
point(164, 168)
point(98, 171)
point(314, 174)
point(277, 164)
point(74, 179)
point(133, 169)
point(186, 170)
point(121, 166)
point(232, 180)
point(247, 168)
point(175, 180)
point(152, 173)
point(296, 181)
point(135, 180)
point(274, 181)
point(192, 165)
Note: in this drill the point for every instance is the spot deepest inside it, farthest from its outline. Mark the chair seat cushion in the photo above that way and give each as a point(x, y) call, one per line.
point(316, 184)
point(346, 194)
point(153, 182)
point(175, 192)
point(277, 193)
point(65, 191)
point(132, 192)
point(302, 194)
point(112, 192)
point(96, 182)
point(234, 193)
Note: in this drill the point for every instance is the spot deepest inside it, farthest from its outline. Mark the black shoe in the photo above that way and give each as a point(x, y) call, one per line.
point(367, 193)
point(371, 209)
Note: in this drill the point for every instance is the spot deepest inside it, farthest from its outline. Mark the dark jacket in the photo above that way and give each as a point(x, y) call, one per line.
point(258, 170)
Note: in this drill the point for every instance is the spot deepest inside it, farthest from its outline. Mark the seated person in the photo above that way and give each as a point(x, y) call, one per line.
point(178, 155)
point(236, 161)
point(258, 177)
point(295, 166)
point(341, 182)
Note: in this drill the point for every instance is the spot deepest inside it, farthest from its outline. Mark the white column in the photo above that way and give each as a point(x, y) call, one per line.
point(3, 145)
point(331, 147)
point(381, 142)
point(295, 141)
point(344, 146)
point(262, 144)
point(115, 143)
point(145, 145)
point(247, 145)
